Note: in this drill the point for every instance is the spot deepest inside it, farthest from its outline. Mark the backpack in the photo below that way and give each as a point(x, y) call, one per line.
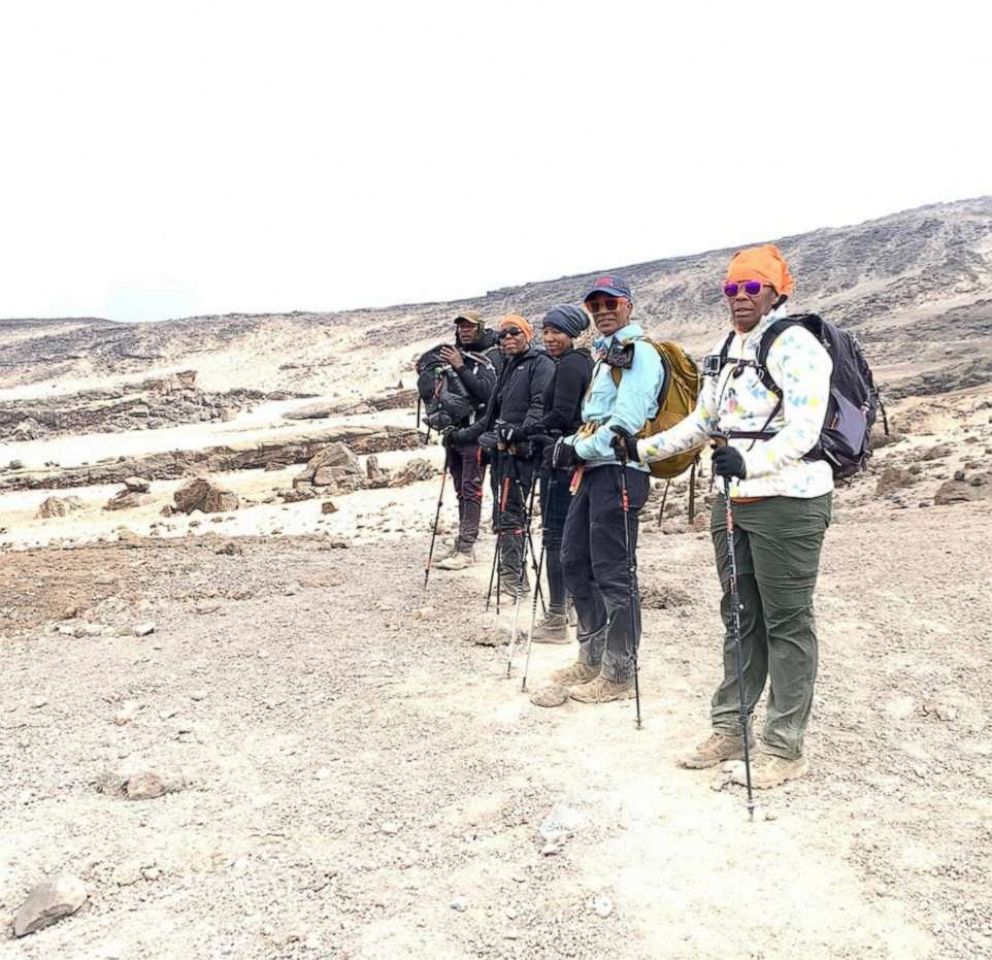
point(675, 402)
point(854, 404)
point(446, 401)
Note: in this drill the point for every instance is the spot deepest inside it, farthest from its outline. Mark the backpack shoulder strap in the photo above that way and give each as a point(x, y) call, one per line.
point(725, 349)
point(810, 321)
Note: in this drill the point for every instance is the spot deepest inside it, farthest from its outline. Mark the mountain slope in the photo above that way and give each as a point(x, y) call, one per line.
point(915, 286)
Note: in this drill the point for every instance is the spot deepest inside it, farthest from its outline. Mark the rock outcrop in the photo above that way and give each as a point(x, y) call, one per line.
point(200, 494)
point(244, 455)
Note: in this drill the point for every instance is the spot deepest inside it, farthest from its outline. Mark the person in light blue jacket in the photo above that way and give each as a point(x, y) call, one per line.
point(622, 396)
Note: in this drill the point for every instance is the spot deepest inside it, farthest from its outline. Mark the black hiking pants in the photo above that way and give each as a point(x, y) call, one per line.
point(594, 559)
point(467, 474)
point(512, 479)
point(555, 500)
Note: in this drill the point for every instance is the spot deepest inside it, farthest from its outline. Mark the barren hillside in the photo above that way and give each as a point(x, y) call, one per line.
point(917, 287)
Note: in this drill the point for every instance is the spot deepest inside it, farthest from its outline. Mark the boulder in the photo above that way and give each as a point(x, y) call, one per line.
point(964, 491)
point(937, 452)
point(415, 470)
point(201, 494)
point(126, 499)
point(892, 479)
point(48, 903)
point(58, 507)
point(300, 491)
point(136, 484)
point(334, 455)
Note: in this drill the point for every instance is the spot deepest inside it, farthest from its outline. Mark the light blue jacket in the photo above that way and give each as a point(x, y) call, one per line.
point(629, 405)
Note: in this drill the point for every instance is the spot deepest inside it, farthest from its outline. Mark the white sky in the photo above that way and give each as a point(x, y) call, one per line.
point(173, 158)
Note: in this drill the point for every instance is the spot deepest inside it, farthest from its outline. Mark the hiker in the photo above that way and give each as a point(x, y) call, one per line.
point(475, 360)
point(594, 555)
point(781, 508)
point(562, 416)
point(516, 403)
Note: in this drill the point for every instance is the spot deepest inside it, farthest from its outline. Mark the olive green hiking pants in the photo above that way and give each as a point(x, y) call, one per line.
point(777, 543)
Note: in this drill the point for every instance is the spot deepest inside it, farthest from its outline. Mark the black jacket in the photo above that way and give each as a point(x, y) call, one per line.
point(564, 392)
point(519, 395)
point(478, 377)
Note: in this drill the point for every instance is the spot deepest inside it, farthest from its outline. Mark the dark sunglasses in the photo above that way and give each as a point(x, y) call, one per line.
point(751, 287)
point(606, 304)
point(512, 332)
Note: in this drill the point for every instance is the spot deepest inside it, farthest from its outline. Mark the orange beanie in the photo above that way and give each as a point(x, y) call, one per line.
point(761, 263)
point(513, 320)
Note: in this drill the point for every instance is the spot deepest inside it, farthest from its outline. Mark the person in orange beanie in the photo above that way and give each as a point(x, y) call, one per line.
point(516, 404)
point(781, 507)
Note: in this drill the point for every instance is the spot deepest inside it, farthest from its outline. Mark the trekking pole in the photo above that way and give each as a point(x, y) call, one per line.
point(664, 497)
point(735, 624)
point(527, 504)
point(622, 456)
point(535, 563)
point(437, 516)
point(735, 605)
point(522, 572)
point(540, 564)
point(492, 572)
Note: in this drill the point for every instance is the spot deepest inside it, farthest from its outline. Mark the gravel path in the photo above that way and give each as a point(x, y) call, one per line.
point(358, 781)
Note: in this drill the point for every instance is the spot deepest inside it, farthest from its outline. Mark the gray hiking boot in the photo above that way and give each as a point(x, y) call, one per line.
point(552, 629)
point(458, 560)
point(716, 749)
point(575, 674)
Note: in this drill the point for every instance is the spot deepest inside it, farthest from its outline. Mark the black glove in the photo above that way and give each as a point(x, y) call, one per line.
point(510, 434)
point(729, 462)
point(488, 440)
point(624, 445)
point(564, 457)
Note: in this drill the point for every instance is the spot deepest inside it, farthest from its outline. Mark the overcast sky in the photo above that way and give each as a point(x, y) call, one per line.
point(168, 159)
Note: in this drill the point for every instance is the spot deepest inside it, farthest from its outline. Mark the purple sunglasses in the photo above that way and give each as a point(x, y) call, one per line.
point(751, 287)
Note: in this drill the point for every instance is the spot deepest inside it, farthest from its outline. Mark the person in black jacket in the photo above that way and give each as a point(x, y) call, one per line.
point(516, 405)
point(562, 417)
point(476, 361)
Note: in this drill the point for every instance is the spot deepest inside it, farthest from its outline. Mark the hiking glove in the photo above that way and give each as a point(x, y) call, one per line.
point(624, 446)
point(729, 462)
point(564, 457)
point(510, 434)
point(488, 440)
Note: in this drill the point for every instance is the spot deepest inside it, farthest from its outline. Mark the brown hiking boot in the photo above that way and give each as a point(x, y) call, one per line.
point(457, 560)
point(601, 690)
point(768, 771)
point(575, 674)
point(552, 629)
point(719, 747)
point(553, 695)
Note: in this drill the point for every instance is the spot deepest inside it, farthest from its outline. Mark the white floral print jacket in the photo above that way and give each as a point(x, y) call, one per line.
point(737, 400)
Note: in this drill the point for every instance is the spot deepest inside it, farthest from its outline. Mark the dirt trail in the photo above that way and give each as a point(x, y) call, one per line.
point(365, 784)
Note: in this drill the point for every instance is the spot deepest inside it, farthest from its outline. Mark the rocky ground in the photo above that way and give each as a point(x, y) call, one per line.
point(302, 755)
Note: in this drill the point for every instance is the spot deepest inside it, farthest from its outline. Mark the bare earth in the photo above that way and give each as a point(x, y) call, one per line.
point(362, 780)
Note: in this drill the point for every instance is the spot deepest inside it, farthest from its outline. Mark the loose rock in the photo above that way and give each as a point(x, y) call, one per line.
point(48, 903)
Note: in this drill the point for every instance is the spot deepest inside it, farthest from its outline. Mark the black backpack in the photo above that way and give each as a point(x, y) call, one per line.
point(445, 400)
point(854, 404)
